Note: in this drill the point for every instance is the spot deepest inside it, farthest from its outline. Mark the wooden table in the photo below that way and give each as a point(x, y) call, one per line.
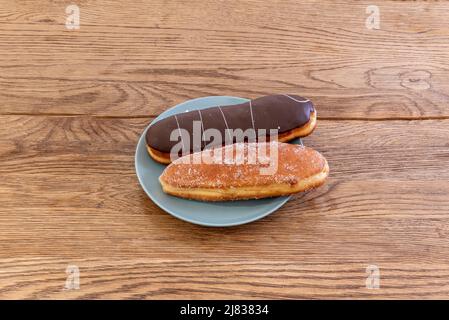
point(73, 104)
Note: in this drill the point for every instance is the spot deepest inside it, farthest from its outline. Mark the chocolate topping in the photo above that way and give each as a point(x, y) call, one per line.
point(282, 112)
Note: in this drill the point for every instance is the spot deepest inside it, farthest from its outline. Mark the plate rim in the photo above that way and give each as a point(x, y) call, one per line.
point(176, 215)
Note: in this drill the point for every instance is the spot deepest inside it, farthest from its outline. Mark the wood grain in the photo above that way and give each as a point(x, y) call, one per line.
point(167, 53)
point(257, 279)
point(73, 105)
point(363, 215)
point(407, 150)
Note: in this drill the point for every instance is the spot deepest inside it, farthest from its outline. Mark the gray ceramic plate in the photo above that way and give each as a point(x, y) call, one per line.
point(214, 214)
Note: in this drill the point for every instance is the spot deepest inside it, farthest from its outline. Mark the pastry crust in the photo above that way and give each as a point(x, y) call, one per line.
point(298, 169)
point(305, 130)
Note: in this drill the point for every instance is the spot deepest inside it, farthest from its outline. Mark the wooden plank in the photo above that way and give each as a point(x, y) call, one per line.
point(140, 59)
point(405, 150)
point(351, 221)
point(216, 279)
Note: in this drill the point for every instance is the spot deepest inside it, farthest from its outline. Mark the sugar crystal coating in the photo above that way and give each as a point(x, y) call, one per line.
point(243, 168)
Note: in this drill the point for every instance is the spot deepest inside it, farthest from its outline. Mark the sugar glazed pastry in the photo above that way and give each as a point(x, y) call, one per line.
point(291, 115)
point(208, 177)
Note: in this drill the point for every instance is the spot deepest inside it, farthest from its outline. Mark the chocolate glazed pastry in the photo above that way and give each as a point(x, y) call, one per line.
point(293, 116)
